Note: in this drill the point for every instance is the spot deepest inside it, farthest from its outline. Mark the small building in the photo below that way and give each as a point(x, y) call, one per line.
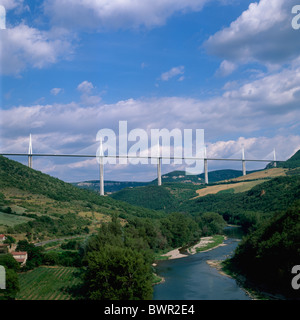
point(2, 237)
point(20, 256)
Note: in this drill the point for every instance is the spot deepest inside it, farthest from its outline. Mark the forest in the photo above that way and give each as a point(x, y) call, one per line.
point(267, 255)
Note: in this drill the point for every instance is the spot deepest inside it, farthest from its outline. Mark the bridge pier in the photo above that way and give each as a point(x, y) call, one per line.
point(159, 171)
point(101, 169)
point(101, 177)
point(243, 162)
point(205, 171)
point(244, 167)
point(30, 153)
point(30, 162)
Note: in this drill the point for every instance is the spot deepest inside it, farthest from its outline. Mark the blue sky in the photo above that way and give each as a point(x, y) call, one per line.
point(71, 68)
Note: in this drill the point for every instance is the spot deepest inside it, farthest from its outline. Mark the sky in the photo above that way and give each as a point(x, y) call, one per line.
point(70, 68)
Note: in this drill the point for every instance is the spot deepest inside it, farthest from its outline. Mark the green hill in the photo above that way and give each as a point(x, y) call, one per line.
point(266, 257)
point(292, 163)
point(109, 186)
point(213, 176)
point(266, 195)
point(35, 203)
point(171, 177)
point(166, 197)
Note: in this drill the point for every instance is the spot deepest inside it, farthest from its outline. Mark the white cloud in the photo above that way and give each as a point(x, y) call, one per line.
point(262, 33)
point(87, 99)
point(264, 104)
point(239, 117)
point(23, 46)
point(166, 76)
point(85, 87)
point(226, 68)
point(56, 91)
point(103, 14)
point(11, 4)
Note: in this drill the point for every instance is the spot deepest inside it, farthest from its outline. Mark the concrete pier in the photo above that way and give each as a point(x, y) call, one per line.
point(206, 171)
point(244, 167)
point(30, 153)
point(101, 169)
point(159, 171)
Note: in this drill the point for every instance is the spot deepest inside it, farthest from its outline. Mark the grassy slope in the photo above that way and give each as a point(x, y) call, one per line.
point(167, 197)
point(257, 198)
point(33, 192)
point(243, 183)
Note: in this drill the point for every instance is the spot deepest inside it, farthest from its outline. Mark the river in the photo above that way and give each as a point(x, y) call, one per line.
point(192, 278)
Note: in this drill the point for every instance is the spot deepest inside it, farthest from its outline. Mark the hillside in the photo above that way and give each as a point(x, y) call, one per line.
point(166, 197)
point(41, 206)
point(291, 163)
point(109, 186)
point(171, 177)
point(243, 183)
point(267, 256)
point(245, 200)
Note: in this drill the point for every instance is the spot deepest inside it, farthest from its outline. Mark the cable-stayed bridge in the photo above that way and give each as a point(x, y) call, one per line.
point(158, 158)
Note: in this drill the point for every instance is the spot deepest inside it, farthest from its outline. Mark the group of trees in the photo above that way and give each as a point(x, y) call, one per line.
point(12, 268)
point(248, 209)
point(60, 225)
point(118, 265)
point(119, 258)
point(267, 255)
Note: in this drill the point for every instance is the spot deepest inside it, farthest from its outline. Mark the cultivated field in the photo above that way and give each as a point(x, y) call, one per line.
point(11, 220)
point(269, 173)
point(48, 283)
point(234, 187)
point(246, 182)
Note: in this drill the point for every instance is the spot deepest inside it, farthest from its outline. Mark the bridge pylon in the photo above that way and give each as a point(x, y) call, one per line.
point(101, 165)
point(30, 152)
point(243, 162)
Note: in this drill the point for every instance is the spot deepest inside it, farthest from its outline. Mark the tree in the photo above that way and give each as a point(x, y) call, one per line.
point(212, 223)
point(12, 281)
point(10, 240)
point(35, 254)
point(116, 273)
point(179, 229)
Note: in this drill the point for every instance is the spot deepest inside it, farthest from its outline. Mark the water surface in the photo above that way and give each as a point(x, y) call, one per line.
point(192, 278)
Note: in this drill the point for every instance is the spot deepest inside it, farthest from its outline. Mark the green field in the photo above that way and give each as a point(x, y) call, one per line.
point(12, 220)
point(48, 283)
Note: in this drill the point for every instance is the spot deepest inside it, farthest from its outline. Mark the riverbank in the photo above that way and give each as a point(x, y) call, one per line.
point(217, 264)
point(205, 244)
point(252, 291)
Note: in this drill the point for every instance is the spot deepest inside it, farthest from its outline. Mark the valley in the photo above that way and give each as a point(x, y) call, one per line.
point(61, 225)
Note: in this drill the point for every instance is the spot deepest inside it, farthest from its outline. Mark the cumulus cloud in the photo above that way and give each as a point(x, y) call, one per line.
point(260, 105)
point(103, 14)
point(166, 76)
point(23, 46)
point(72, 128)
point(226, 68)
point(87, 98)
point(11, 4)
point(85, 87)
point(263, 33)
point(56, 91)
